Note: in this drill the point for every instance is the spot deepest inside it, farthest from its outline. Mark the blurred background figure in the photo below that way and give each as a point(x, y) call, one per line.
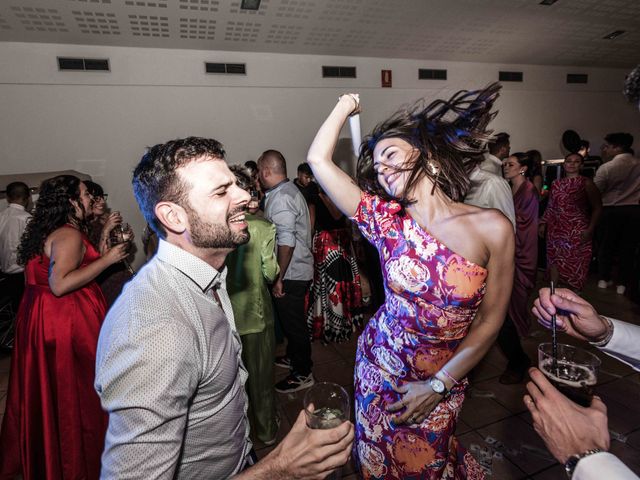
point(518, 321)
point(569, 222)
point(107, 228)
point(249, 269)
point(309, 190)
point(13, 221)
point(535, 174)
point(53, 425)
point(618, 180)
point(335, 304)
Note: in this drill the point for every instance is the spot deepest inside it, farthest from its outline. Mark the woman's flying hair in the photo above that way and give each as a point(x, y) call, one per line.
point(449, 137)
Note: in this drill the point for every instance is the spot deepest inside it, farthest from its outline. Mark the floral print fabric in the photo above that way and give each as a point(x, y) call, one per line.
point(432, 295)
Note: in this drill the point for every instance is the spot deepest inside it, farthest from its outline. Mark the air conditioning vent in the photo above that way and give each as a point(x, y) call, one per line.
point(237, 68)
point(432, 74)
point(338, 72)
point(230, 68)
point(577, 78)
point(510, 76)
point(83, 64)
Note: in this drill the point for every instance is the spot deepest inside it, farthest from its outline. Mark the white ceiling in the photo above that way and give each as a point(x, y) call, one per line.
point(499, 31)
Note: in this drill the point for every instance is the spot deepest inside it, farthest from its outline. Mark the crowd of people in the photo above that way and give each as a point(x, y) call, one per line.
point(163, 374)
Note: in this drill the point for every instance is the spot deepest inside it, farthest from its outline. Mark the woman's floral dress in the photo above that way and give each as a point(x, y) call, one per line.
point(432, 295)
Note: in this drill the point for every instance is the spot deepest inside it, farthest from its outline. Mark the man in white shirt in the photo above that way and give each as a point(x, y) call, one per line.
point(13, 221)
point(578, 437)
point(488, 190)
point(618, 180)
point(169, 370)
point(499, 148)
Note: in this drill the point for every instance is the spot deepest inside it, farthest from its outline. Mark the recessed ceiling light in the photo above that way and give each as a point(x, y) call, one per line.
point(548, 2)
point(613, 35)
point(250, 4)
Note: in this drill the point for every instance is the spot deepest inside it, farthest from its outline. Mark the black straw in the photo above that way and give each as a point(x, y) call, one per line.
point(554, 334)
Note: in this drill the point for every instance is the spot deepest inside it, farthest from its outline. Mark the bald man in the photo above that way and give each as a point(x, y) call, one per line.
point(286, 208)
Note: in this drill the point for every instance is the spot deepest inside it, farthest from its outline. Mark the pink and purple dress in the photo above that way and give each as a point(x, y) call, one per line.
point(432, 295)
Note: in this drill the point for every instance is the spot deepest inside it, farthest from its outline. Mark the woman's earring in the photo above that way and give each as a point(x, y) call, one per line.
point(522, 173)
point(433, 167)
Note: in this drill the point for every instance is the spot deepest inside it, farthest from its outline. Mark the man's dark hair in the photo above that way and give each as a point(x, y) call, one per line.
point(498, 141)
point(274, 160)
point(621, 140)
point(584, 143)
point(17, 191)
point(305, 168)
point(155, 179)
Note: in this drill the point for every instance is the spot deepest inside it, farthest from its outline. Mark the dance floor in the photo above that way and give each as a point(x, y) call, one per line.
point(494, 423)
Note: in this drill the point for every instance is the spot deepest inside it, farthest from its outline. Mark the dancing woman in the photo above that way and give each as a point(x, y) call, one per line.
point(448, 271)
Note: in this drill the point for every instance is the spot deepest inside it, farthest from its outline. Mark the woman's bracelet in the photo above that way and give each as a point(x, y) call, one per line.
point(607, 338)
point(449, 376)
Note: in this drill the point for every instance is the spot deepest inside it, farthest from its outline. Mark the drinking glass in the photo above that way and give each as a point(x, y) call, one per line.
point(327, 405)
point(575, 373)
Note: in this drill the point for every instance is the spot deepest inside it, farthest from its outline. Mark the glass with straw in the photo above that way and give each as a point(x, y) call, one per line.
point(572, 370)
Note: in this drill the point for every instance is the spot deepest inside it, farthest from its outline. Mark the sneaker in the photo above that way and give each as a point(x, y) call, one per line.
point(604, 284)
point(295, 382)
point(620, 289)
point(283, 362)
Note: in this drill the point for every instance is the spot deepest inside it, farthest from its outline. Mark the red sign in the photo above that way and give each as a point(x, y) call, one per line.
point(386, 78)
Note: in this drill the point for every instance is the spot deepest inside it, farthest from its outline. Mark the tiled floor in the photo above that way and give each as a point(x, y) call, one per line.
point(495, 425)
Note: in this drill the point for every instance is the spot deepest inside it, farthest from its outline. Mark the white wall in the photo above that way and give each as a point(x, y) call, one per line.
point(100, 123)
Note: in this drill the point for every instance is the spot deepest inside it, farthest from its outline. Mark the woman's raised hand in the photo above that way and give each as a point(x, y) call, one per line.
point(352, 100)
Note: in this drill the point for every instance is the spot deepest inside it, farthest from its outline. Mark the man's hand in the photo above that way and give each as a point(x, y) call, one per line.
point(419, 400)
point(566, 428)
point(574, 315)
point(278, 288)
point(305, 454)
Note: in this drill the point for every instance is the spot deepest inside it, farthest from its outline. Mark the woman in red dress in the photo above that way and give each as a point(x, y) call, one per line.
point(569, 222)
point(53, 424)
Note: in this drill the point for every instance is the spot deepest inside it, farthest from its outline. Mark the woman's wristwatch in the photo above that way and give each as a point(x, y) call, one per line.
point(572, 462)
point(438, 386)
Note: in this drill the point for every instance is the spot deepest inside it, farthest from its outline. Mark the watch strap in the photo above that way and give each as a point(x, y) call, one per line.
point(572, 462)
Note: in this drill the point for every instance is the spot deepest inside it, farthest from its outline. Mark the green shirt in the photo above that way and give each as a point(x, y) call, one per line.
point(250, 268)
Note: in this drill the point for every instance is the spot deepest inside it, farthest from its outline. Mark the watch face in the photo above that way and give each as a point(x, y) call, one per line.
point(437, 385)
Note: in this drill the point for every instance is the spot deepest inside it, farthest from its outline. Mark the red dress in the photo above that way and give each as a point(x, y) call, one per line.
point(53, 425)
point(567, 217)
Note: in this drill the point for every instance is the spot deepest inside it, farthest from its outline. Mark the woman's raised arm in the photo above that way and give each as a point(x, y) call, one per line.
point(337, 184)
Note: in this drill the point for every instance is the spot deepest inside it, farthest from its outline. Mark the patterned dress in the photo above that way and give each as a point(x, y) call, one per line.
point(567, 216)
point(432, 295)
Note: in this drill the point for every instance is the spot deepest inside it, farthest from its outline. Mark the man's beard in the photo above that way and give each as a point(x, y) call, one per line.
point(204, 235)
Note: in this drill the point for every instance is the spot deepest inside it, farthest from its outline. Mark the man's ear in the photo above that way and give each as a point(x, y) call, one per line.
point(172, 217)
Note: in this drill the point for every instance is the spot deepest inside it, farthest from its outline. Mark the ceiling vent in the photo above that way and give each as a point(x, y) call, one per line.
point(83, 64)
point(577, 78)
point(510, 76)
point(548, 2)
point(229, 68)
point(432, 74)
point(338, 72)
